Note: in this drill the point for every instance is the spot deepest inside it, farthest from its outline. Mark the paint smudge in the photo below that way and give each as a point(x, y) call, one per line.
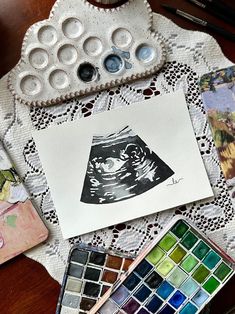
point(11, 220)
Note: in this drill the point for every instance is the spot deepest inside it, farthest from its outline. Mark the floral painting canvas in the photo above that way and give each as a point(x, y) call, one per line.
point(21, 228)
point(218, 92)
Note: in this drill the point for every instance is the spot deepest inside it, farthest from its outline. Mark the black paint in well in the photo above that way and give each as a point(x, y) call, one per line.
point(153, 280)
point(92, 289)
point(97, 258)
point(87, 72)
point(87, 304)
point(92, 274)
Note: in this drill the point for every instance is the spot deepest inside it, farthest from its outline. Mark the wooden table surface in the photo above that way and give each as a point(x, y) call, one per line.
point(25, 286)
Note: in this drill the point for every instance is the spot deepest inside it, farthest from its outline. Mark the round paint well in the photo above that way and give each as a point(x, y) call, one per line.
point(47, 35)
point(38, 58)
point(67, 54)
point(145, 53)
point(30, 85)
point(93, 46)
point(87, 72)
point(113, 63)
point(122, 38)
point(72, 28)
point(59, 79)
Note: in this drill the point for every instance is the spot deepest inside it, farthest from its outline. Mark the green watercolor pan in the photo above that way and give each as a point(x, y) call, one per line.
point(89, 273)
point(179, 272)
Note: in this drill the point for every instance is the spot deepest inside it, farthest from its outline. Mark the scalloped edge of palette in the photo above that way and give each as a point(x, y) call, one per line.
point(92, 89)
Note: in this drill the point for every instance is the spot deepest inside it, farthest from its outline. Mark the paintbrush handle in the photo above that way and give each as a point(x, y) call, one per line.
point(222, 7)
point(213, 10)
point(221, 31)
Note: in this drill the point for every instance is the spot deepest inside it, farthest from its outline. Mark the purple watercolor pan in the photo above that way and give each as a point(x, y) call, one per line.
point(179, 272)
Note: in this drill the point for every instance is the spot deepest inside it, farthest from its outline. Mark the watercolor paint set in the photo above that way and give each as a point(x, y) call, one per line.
point(180, 272)
point(90, 272)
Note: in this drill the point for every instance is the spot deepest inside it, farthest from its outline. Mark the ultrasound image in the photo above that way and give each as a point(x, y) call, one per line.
point(121, 166)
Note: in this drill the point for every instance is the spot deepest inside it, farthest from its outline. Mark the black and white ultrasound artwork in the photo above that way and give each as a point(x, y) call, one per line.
point(121, 166)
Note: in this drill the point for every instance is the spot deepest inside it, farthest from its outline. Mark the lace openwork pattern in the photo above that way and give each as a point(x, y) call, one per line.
point(190, 55)
point(209, 216)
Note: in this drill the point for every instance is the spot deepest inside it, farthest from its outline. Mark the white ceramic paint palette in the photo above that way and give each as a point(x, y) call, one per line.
point(81, 49)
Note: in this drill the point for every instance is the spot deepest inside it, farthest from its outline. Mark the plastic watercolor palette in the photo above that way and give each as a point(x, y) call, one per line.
point(81, 49)
point(89, 274)
point(179, 273)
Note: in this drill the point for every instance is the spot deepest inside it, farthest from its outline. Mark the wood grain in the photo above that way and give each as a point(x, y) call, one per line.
point(25, 286)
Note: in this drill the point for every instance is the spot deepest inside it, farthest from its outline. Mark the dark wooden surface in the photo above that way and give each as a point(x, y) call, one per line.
point(25, 286)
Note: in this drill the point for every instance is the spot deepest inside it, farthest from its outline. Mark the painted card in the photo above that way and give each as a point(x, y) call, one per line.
point(218, 92)
point(20, 225)
point(123, 164)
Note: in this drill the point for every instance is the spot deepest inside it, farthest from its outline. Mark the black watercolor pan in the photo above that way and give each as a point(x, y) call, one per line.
point(89, 273)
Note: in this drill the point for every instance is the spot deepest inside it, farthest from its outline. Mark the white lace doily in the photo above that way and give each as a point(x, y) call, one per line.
point(190, 55)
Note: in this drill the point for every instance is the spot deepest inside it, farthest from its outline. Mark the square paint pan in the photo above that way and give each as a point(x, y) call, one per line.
point(89, 273)
point(179, 272)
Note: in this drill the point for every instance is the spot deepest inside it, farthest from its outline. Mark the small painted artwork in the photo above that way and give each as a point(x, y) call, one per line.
point(20, 225)
point(218, 92)
point(121, 166)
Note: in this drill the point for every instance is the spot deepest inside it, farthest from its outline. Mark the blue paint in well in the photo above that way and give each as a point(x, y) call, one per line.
point(131, 282)
point(211, 260)
point(189, 308)
point(113, 63)
point(123, 54)
point(177, 299)
point(200, 298)
point(142, 311)
point(142, 293)
point(165, 290)
point(189, 287)
point(143, 268)
point(145, 53)
point(120, 295)
point(167, 310)
point(154, 304)
point(128, 65)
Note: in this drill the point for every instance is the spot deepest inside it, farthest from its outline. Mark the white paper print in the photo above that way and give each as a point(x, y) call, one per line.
point(121, 164)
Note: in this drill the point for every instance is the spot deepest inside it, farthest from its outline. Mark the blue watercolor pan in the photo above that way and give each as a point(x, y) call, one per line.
point(180, 272)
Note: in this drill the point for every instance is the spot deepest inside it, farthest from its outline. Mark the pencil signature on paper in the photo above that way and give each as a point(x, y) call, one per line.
point(175, 181)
